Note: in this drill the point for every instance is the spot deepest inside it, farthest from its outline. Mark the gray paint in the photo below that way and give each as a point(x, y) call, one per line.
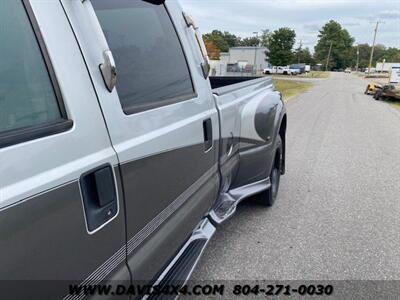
point(151, 257)
point(156, 188)
point(254, 165)
point(169, 183)
point(249, 113)
point(44, 238)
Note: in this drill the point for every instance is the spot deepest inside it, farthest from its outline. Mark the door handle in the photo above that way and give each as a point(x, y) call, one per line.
point(109, 70)
point(99, 197)
point(208, 135)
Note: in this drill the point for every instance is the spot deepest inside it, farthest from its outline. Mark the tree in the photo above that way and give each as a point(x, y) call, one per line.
point(250, 42)
point(342, 42)
point(389, 54)
point(303, 55)
point(280, 48)
point(261, 40)
point(231, 39)
point(212, 50)
point(392, 54)
point(225, 40)
point(222, 40)
point(365, 52)
point(265, 36)
point(381, 52)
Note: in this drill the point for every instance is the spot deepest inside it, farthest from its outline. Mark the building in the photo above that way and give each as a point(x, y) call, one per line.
point(241, 59)
point(386, 67)
point(248, 56)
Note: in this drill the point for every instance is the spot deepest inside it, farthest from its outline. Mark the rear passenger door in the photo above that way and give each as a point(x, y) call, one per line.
point(161, 119)
point(53, 140)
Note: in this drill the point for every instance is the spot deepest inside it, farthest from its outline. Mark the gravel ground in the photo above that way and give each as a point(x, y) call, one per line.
point(338, 212)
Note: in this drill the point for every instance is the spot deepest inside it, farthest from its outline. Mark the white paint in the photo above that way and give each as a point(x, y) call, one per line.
point(395, 75)
point(30, 168)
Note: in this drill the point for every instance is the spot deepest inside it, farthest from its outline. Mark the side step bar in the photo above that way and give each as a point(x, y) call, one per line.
point(228, 202)
point(179, 270)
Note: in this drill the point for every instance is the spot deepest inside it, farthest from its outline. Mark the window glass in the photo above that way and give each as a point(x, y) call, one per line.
point(151, 65)
point(27, 96)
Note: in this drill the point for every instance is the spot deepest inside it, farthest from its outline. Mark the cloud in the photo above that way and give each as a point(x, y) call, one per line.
point(350, 24)
point(389, 14)
point(312, 27)
point(306, 17)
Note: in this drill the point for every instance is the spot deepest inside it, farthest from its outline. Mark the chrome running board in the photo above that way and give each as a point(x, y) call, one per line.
point(228, 202)
point(181, 268)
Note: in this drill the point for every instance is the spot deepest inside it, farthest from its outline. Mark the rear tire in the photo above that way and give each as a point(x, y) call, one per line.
point(268, 197)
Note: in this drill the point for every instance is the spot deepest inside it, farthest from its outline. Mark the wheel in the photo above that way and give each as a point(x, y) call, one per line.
point(285, 73)
point(268, 197)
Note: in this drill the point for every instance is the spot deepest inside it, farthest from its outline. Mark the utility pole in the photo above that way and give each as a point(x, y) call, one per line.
point(329, 56)
point(299, 50)
point(373, 47)
point(255, 54)
point(358, 57)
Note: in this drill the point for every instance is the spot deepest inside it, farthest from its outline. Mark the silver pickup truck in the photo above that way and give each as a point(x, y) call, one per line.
point(119, 156)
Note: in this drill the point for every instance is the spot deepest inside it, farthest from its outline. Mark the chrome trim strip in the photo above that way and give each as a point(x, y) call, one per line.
point(101, 272)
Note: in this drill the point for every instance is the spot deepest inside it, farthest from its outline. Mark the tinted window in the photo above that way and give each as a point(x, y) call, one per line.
point(152, 69)
point(27, 96)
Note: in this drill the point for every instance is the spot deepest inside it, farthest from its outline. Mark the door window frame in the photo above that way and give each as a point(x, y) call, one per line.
point(28, 133)
point(154, 104)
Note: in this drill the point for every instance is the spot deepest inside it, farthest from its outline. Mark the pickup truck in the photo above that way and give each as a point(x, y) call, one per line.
point(120, 156)
point(280, 70)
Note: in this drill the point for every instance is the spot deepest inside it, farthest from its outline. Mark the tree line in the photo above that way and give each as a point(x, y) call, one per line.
point(281, 47)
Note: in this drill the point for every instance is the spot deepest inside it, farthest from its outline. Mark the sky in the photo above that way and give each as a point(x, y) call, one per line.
point(243, 17)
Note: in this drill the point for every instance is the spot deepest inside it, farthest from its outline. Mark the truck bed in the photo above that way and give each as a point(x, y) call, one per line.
point(222, 85)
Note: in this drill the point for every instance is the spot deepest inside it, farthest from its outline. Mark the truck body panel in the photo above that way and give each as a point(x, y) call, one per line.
point(130, 184)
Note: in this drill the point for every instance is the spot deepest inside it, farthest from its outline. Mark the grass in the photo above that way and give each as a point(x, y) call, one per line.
point(394, 103)
point(397, 105)
point(315, 74)
point(290, 88)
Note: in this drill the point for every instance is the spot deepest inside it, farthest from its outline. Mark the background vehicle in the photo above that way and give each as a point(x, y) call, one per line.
point(279, 70)
point(373, 70)
point(298, 68)
point(113, 170)
point(347, 70)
